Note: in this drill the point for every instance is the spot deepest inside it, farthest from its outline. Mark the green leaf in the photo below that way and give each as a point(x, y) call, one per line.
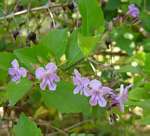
point(3, 97)
point(73, 51)
point(65, 101)
point(92, 17)
point(138, 2)
point(145, 18)
point(26, 127)
point(146, 45)
point(87, 43)
point(139, 94)
point(146, 67)
point(56, 42)
point(141, 103)
point(16, 90)
point(113, 4)
point(129, 68)
point(145, 120)
point(5, 60)
point(124, 38)
point(31, 56)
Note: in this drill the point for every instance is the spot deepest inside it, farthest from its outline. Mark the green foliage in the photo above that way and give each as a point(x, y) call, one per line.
point(146, 67)
point(56, 42)
point(112, 5)
point(100, 38)
point(5, 60)
point(87, 43)
point(32, 56)
point(26, 127)
point(139, 94)
point(65, 101)
point(124, 38)
point(73, 52)
point(92, 17)
point(146, 45)
point(145, 18)
point(16, 91)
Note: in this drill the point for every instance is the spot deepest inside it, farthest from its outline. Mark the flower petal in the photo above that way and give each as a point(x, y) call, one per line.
point(102, 102)
point(93, 100)
point(39, 73)
point(51, 85)
point(77, 90)
point(106, 90)
point(11, 71)
point(76, 73)
point(77, 78)
point(121, 107)
point(43, 84)
point(23, 72)
point(95, 84)
point(51, 67)
point(15, 63)
point(86, 91)
point(16, 78)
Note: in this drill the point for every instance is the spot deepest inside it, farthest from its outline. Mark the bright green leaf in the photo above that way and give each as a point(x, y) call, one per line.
point(92, 17)
point(129, 68)
point(73, 52)
point(139, 94)
point(65, 101)
point(31, 56)
point(5, 60)
point(146, 45)
point(26, 127)
point(56, 42)
point(145, 120)
point(16, 90)
point(146, 67)
point(87, 43)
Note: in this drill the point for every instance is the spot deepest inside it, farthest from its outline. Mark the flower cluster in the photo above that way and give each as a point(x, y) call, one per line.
point(47, 75)
point(98, 93)
point(133, 10)
point(16, 72)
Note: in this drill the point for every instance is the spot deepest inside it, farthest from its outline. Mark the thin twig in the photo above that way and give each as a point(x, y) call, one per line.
point(70, 128)
point(36, 9)
point(47, 124)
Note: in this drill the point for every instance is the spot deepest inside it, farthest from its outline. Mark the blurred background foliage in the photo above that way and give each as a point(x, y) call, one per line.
point(96, 36)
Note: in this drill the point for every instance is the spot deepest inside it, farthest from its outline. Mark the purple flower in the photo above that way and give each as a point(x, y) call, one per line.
point(98, 93)
point(47, 76)
point(81, 84)
point(16, 72)
point(122, 97)
point(133, 10)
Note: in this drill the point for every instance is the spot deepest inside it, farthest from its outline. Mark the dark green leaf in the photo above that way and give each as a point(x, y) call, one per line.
point(113, 4)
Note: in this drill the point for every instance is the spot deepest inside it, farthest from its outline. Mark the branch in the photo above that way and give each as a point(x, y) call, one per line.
point(36, 9)
point(71, 127)
point(111, 53)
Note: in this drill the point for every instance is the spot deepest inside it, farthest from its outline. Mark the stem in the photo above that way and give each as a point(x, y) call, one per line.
point(36, 9)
